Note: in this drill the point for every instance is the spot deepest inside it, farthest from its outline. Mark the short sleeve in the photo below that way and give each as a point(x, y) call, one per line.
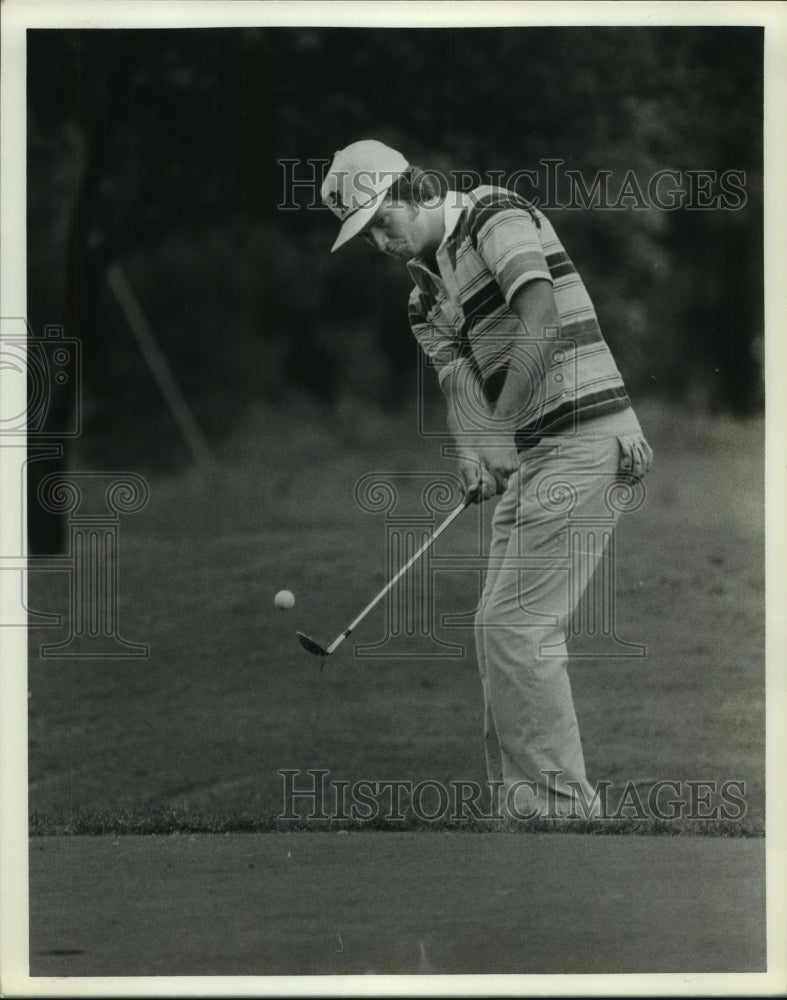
point(504, 231)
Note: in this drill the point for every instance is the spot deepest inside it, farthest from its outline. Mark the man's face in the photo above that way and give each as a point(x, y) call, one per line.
point(398, 229)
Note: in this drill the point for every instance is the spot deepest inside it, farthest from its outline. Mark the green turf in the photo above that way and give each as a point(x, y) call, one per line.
point(228, 697)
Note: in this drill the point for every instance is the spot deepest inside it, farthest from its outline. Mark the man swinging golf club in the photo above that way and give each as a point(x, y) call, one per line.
point(537, 410)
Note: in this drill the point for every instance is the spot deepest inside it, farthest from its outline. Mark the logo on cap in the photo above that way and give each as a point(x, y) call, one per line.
point(337, 204)
point(356, 181)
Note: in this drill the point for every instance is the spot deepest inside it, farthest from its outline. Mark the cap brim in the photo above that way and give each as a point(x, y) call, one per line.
point(358, 221)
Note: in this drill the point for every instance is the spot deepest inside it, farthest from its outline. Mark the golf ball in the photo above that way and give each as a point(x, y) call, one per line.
point(285, 600)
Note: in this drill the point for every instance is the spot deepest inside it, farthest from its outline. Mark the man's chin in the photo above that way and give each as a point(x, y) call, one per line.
point(399, 252)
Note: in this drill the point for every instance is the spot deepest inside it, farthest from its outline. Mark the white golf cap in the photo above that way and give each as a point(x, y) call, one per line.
point(356, 182)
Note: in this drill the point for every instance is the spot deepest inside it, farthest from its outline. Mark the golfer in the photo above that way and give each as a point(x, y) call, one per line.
point(539, 415)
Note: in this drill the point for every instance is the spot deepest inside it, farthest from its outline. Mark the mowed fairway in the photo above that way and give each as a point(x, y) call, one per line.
point(395, 903)
point(227, 697)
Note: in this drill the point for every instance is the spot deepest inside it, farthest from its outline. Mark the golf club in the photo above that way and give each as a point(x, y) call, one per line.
point(314, 647)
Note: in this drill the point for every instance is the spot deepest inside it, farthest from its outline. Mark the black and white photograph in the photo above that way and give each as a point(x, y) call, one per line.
point(391, 571)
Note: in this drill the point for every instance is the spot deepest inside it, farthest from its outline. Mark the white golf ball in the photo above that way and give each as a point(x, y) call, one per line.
point(285, 600)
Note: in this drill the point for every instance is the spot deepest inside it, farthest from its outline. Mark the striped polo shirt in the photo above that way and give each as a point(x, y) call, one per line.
point(495, 242)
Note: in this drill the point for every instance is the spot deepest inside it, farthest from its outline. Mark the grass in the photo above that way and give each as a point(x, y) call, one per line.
point(163, 822)
point(192, 738)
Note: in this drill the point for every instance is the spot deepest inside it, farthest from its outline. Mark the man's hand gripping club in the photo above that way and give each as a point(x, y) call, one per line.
point(484, 470)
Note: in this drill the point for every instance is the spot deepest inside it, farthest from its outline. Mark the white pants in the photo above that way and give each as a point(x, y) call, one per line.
point(547, 539)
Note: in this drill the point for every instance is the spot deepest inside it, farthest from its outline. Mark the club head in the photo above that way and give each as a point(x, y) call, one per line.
point(310, 645)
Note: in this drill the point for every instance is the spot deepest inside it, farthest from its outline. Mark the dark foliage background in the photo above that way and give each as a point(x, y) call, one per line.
point(162, 150)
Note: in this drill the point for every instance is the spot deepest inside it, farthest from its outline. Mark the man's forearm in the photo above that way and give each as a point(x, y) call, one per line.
point(512, 403)
point(467, 418)
point(468, 411)
point(535, 307)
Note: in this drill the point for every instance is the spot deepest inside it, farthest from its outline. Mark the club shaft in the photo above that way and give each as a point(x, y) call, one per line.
point(395, 579)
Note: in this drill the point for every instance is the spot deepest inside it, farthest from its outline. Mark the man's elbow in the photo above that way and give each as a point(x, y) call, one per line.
point(535, 305)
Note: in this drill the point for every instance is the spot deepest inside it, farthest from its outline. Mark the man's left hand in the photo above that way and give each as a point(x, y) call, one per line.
point(501, 460)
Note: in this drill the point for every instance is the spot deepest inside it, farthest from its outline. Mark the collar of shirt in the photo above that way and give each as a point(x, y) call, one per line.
point(453, 207)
